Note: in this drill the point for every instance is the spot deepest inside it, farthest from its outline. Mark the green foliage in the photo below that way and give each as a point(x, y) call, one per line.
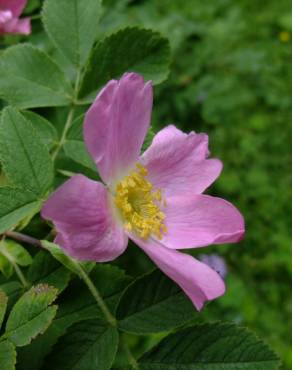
point(230, 77)
point(153, 304)
point(15, 252)
point(72, 20)
point(74, 146)
point(130, 49)
point(45, 130)
point(211, 347)
point(87, 345)
point(31, 315)
point(25, 159)
point(46, 270)
point(29, 78)
point(7, 355)
point(15, 205)
point(3, 305)
point(65, 260)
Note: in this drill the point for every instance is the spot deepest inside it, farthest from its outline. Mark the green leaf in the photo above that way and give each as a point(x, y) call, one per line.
point(78, 303)
point(13, 290)
point(3, 305)
point(7, 356)
point(148, 139)
point(15, 252)
point(72, 25)
point(45, 269)
point(74, 146)
point(65, 260)
point(89, 345)
point(29, 79)
point(6, 267)
point(218, 346)
point(153, 303)
point(45, 130)
point(129, 50)
point(31, 315)
point(25, 159)
point(16, 204)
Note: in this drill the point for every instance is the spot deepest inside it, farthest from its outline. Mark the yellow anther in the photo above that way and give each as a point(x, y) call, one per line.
point(139, 205)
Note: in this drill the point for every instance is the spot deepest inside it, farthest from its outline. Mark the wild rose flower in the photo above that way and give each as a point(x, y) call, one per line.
point(154, 199)
point(10, 11)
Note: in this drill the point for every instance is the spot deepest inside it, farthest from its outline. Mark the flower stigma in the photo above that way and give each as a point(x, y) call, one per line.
point(139, 205)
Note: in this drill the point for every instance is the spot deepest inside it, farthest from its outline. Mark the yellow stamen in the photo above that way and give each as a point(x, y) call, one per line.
point(139, 204)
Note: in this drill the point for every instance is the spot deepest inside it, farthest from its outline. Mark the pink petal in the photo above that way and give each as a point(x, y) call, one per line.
point(201, 220)
point(16, 6)
point(81, 212)
point(177, 163)
point(15, 25)
point(116, 124)
point(5, 15)
point(199, 282)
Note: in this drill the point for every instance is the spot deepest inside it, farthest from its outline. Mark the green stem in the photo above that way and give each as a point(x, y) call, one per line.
point(69, 119)
point(17, 270)
point(64, 133)
point(35, 16)
point(131, 359)
point(20, 275)
point(102, 305)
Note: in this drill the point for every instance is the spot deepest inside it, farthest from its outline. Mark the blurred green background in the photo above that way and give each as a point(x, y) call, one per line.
point(231, 77)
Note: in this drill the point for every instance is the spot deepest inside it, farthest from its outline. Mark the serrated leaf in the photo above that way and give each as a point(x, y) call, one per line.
point(45, 130)
point(89, 345)
point(13, 290)
point(153, 303)
point(74, 146)
point(16, 204)
point(128, 50)
point(46, 270)
point(16, 252)
point(30, 79)
point(31, 315)
point(7, 356)
point(218, 346)
point(77, 304)
point(65, 260)
point(3, 305)
point(25, 159)
point(72, 25)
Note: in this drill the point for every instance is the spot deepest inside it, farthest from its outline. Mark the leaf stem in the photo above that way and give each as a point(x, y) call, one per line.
point(64, 133)
point(20, 275)
point(102, 305)
point(17, 270)
point(69, 119)
point(131, 358)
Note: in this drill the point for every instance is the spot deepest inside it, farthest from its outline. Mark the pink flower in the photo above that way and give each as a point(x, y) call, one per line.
point(10, 10)
point(154, 199)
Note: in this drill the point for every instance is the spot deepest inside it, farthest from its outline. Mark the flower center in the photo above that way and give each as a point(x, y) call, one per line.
point(140, 205)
